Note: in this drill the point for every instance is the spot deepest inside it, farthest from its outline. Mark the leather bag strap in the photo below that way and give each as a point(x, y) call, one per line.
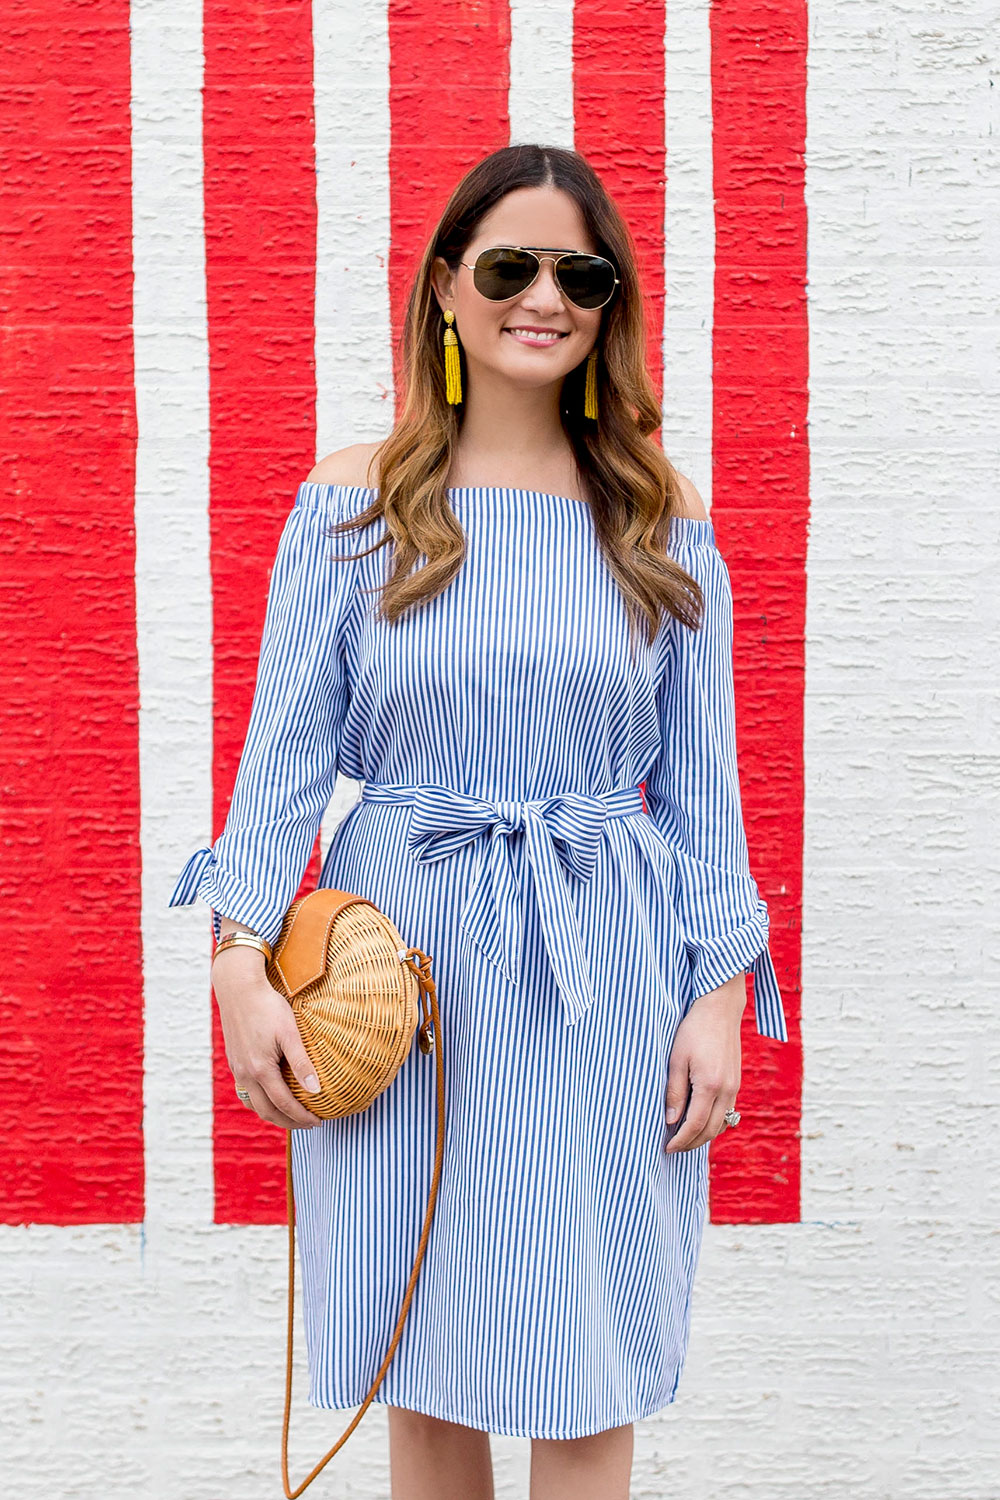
point(420, 964)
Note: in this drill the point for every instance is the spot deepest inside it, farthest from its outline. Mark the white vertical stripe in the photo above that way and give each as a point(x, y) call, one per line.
point(689, 245)
point(355, 397)
point(173, 599)
point(540, 99)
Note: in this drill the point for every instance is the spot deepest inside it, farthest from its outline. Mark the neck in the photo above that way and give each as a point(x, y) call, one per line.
point(505, 426)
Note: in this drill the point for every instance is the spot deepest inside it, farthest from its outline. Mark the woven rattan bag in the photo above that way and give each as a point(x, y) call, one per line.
point(355, 990)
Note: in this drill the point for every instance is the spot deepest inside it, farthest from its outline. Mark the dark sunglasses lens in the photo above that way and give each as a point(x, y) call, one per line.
point(587, 280)
point(500, 274)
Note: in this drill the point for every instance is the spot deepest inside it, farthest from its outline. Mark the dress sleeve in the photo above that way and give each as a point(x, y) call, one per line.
point(288, 767)
point(693, 789)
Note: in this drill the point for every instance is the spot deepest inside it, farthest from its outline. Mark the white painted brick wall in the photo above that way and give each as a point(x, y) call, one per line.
point(854, 1354)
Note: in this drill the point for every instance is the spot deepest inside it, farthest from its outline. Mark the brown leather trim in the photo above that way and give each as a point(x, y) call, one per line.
point(301, 958)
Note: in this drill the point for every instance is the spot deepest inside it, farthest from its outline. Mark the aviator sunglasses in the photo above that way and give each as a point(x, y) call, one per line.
point(505, 271)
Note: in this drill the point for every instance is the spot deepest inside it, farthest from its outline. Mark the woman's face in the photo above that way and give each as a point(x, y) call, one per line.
point(541, 218)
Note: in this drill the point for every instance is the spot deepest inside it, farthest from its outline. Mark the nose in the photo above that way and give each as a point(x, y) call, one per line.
point(544, 290)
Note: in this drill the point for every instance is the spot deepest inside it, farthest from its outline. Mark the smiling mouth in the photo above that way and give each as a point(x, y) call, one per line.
point(540, 338)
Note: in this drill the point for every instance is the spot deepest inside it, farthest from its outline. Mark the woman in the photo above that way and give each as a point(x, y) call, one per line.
point(551, 630)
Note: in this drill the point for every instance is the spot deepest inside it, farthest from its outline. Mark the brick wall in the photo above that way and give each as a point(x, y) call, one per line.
point(224, 211)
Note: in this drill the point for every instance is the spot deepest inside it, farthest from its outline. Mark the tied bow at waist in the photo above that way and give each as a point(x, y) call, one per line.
point(561, 838)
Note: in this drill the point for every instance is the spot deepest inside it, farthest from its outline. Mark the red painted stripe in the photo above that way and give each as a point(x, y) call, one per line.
point(760, 490)
point(619, 105)
point(619, 120)
point(260, 213)
point(260, 244)
point(448, 85)
point(619, 91)
point(71, 1000)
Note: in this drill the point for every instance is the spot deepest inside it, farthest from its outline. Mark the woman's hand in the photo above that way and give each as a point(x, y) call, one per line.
point(259, 1028)
point(705, 1058)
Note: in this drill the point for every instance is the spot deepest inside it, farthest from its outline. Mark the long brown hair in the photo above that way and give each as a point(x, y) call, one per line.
point(634, 488)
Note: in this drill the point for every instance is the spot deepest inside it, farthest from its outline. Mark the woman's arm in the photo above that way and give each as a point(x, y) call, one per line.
point(693, 794)
point(286, 775)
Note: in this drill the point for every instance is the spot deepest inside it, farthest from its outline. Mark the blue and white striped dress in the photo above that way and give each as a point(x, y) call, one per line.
point(501, 732)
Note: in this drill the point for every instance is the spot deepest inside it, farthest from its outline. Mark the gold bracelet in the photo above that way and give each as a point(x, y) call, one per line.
point(248, 939)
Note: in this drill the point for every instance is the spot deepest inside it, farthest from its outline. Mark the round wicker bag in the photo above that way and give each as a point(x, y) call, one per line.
point(355, 990)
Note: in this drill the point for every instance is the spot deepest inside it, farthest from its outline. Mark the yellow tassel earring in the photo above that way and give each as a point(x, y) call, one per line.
point(452, 362)
point(590, 388)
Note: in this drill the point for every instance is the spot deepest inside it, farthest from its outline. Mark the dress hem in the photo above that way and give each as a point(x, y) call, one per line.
point(507, 1430)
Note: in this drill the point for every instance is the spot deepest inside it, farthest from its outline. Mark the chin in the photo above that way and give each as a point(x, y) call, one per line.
point(536, 380)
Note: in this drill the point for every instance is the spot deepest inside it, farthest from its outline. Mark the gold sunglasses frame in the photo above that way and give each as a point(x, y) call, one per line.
point(555, 257)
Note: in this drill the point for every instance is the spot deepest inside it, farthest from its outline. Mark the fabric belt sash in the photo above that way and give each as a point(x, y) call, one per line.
point(561, 837)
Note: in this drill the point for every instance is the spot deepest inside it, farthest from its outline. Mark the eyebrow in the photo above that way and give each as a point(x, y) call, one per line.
point(555, 249)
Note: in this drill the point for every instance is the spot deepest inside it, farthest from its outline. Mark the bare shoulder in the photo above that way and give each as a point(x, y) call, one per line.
point(694, 505)
point(349, 465)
